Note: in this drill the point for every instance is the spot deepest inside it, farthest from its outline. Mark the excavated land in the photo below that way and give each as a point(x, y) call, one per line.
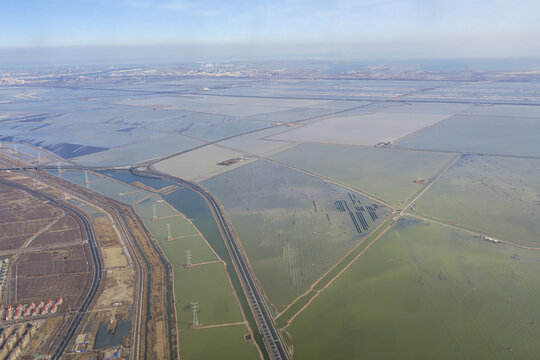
point(45, 249)
point(50, 274)
point(158, 326)
point(66, 230)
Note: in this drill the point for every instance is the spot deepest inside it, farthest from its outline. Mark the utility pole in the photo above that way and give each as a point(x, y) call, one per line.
point(169, 233)
point(195, 309)
point(154, 211)
point(188, 258)
point(86, 181)
point(59, 169)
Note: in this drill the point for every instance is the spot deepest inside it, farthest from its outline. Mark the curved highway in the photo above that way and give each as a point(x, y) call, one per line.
point(271, 336)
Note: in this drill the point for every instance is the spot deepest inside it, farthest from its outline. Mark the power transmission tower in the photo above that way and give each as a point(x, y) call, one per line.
point(169, 233)
point(59, 169)
point(154, 211)
point(195, 309)
point(188, 258)
point(86, 181)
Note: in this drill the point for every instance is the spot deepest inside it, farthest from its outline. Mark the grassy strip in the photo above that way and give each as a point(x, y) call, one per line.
point(300, 302)
point(169, 295)
point(282, 320)
point(319, 285)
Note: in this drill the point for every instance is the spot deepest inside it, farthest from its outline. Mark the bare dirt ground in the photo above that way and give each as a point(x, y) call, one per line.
point(119, 288)
point(48, 259)
point(105, 233)
point(51, 274)
point(113, 257)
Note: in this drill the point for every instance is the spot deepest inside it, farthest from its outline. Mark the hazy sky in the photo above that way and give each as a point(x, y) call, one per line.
point(391, 28)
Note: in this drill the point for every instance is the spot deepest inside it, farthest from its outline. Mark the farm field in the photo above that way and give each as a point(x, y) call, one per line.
point(315, 199)
point(487, 130)
point(134, 153)
point(364, 129)
point(227, 341)
point(194, 207)
point(496, 195)
point(293, 227)
point(225, 130)
point(210, 107)
point(255, 143)
point(296, 114)
point(385, 173)
point(483, 93)
point(186, 237)
point(423, 107)
point(230, 106)
point(45, 274)
point(262, 102)
point(327, 89)
point(200, 164)
point(127, 177)
point(78, 176)
point(114, 189)
point(58, 263)
point(118, 191)
point(66, 230)
point(208, 285)
point(424, 291)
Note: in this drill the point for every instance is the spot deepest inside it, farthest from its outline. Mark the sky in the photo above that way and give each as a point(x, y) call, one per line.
point(266, 28)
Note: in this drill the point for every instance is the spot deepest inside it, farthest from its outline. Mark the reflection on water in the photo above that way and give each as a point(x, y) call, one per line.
point(105, 339)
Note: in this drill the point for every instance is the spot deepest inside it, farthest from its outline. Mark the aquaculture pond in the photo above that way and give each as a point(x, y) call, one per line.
point(425, 291)
point(293, 226)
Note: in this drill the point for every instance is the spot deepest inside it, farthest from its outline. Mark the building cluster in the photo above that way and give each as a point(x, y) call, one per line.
point(15, 338)
point(33, 309)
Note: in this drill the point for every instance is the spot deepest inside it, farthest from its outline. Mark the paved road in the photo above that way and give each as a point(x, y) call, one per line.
point(272, 338)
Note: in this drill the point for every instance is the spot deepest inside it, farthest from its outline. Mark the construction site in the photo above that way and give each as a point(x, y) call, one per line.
point(77, 272)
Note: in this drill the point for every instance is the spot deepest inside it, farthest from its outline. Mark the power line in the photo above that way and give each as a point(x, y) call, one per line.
point(188, 258)
point(154, 212)
point(195, 309)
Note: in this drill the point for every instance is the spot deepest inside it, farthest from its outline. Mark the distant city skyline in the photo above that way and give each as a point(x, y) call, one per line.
point(341, 29)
